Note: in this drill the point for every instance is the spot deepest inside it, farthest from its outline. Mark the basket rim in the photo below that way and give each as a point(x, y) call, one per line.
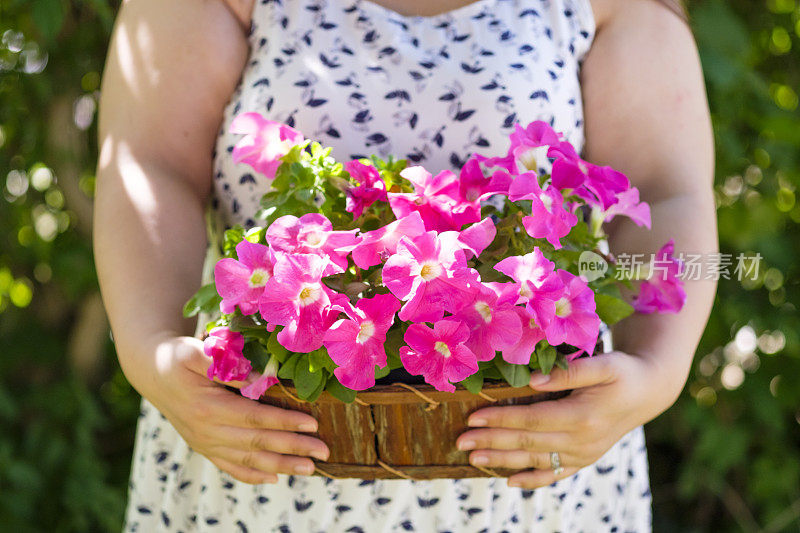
point(401, 393)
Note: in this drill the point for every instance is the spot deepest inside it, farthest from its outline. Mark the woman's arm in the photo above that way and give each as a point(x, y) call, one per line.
point(646, 115)
point(170, 71)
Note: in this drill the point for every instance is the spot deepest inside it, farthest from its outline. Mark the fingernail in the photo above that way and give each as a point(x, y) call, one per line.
point(513, 483)
point(321, 455)
point(466, 445)
point(538, 379)
point(479, 460)
point(307, 426)
point(476, 422)
point(304, 469)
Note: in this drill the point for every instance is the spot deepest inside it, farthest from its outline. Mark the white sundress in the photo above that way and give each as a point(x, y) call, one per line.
point(364, 79)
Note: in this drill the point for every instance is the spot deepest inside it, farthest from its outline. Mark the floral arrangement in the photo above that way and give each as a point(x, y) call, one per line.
point(458, 278)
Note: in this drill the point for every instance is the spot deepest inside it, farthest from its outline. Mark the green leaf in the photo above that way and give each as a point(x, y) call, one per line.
point(287, 369)
point(515, 375)
point(257, 354)
point(231, 238)
point(306, 381)
point(474, 383)
point(205, 299)
point(339, 391)
point(313, 395)
point(610, 309)
point(547, 358)
point(382, 372)
point(275, 348)
point(319, 359)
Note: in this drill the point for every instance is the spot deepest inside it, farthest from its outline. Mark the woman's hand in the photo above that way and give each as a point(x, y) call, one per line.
point(249, 440)
point(612, 394)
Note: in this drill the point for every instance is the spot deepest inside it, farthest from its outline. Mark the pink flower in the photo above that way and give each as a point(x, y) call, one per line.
point(370, 189)
point(575, 321)
point(439, 354)
point(664, 291)
point(492, 320)
point(475, 185)
point(265, 142)
point(242, 282)
point(628, 204)
point(473, 239)
point(356, 343)
point(435, 198)
point(529, 145)
point(539, 286)
point(489, 165)
point(602, 186)
point(267, 379)
point(430, 275)
point(548, 219)
point(225, 349)
point(296, 298)
point(312, 234)
point(375, 246)
point(520, 353)
point(569, 170)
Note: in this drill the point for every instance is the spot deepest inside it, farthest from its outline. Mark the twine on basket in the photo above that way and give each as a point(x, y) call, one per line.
point(432, 404)
point(395, 471)
point(324, 473)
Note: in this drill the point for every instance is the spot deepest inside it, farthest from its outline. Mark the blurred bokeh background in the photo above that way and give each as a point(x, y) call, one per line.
point(726, 457)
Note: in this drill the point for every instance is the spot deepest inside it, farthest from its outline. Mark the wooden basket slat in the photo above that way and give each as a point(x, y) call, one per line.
point(400, 428)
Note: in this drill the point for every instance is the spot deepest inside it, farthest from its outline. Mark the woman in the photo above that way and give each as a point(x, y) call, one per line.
point(432, 82)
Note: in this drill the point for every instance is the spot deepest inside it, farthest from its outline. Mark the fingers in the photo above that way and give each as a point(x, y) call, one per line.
point(247, 475)
point(549, 416)
point(270, 462)
point(533, 479)
point(579, 373)
point(282, 442)
point(511, 439)
point(234, 410)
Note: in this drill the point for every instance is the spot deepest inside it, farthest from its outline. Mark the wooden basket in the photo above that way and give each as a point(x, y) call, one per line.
point(401, 430)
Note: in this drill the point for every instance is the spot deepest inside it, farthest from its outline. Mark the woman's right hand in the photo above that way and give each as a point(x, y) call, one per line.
point(251, 441)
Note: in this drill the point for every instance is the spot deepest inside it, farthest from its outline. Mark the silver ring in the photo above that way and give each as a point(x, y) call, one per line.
point(555, 463)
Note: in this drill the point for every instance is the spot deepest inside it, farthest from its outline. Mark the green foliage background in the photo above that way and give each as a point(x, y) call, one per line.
point(726, 457)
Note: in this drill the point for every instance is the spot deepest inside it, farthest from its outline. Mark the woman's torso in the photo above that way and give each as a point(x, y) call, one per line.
point(363, 79)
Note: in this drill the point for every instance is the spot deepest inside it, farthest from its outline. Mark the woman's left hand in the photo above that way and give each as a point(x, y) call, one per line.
point(612, 394)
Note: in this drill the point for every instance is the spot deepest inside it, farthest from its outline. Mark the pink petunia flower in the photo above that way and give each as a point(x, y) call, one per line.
point(242, 282)
point(430, 275)
point(473, 239)
point(370, 189)
point(492, 319)
point(265, 142)
point(356, 343)
point(575, 321)
point(628, 205)
point(267, 379)
point(374, 247)
point(312, 234)
point(664, 291)
point(520, 353)
point(297, 299)
point(439, 354)
point(548, 219)
point(539, 286)
point(474, 184)
point(225, 349)
point(529, 145)
point(435, 198)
